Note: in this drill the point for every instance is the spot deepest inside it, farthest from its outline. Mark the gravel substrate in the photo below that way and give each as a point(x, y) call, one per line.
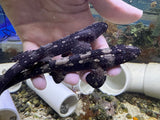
point(97, 106)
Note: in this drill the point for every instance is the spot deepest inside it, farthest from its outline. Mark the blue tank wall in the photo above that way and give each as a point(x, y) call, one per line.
point(6, 28)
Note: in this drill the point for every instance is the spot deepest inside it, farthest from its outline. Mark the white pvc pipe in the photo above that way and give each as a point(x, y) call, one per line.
point(8, 110)
point(152, 80)
point(57, 96)
point(135, 77)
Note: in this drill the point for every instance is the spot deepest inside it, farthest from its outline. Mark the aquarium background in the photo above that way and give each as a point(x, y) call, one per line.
point(144, 33)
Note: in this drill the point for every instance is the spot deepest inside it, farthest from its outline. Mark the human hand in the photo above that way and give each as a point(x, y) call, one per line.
point(38, 22)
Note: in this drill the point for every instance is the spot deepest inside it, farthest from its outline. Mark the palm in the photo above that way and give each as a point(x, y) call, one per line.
point(49, 24)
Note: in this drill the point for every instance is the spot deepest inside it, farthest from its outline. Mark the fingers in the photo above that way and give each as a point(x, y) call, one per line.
point(40, 81)
point(117, 11)
point(114, 71)
point(101, 43)
point(72, 78)
point(27, 45)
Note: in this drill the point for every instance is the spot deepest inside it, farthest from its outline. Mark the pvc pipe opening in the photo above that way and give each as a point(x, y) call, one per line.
point(15, 87)
point(116, 85)
point(8, 114)
point(85, 88)
point(68, 106)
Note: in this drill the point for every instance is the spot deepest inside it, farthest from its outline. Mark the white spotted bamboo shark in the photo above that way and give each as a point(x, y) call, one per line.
point(36, 62)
